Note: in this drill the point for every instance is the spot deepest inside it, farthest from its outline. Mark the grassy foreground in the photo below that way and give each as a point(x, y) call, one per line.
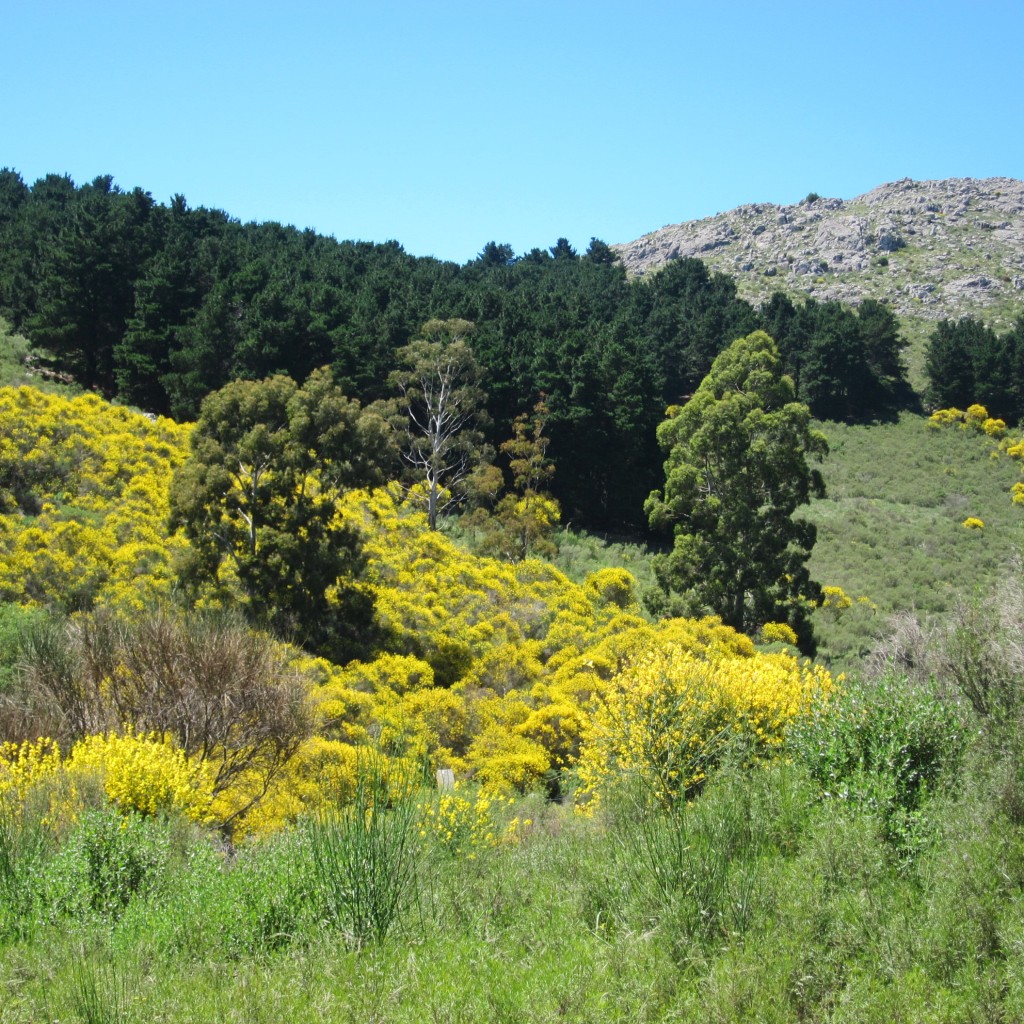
point(862, 878)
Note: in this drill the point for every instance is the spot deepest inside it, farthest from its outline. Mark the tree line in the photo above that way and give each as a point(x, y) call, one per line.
point(970, 363)
point(159, 305)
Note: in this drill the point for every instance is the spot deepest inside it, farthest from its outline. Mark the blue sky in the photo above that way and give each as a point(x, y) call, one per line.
point(446, 125)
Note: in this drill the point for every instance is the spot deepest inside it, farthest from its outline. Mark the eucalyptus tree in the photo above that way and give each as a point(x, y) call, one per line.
point(736, 472)
point(440, 413)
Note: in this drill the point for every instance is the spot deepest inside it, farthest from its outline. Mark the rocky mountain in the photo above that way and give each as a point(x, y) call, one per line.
point(932, 249)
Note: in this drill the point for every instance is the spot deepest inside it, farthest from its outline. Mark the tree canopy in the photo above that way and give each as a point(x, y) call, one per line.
point(736, 472)
point(159, 305)
point(969, 363)
point(257, 501)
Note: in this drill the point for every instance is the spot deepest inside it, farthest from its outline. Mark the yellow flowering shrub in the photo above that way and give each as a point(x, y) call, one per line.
point(670, 713)
point(144, 773)
point(835, 598)
point(973, 523)
point(32, 774)
point(778, 633)
point(85, 487)
point(975, 417)
point(612, 586)
point(322, 773)
point(503, 761)
point(459, 825)
point(945, 418)
point(557, 725)
point(22, 765)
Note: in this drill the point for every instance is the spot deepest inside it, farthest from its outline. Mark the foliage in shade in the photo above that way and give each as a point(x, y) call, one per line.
point(967, 362)
point(257, 504)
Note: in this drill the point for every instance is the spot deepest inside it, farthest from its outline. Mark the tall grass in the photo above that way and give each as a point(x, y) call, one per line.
point(364, 855)
point(780, 892)
point(761, 901)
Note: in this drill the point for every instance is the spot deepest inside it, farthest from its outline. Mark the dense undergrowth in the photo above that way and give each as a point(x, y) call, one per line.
point(875, 874)
point(652, 820)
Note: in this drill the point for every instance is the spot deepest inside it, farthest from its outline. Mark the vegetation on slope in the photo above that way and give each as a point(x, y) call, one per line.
point(751, 836)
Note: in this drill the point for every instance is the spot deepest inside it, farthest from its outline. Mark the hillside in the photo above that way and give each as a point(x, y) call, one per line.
point(930, 249)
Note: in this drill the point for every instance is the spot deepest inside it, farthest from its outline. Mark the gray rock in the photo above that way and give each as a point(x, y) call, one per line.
point(933, 234)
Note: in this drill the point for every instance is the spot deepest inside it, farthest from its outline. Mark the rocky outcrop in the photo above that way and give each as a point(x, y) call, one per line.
point(932, 249)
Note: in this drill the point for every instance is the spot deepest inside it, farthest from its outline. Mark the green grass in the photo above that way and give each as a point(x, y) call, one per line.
point(890, 528)
point(808, 914)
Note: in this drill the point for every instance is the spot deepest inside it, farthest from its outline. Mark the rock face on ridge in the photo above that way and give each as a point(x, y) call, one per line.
point(931, 249)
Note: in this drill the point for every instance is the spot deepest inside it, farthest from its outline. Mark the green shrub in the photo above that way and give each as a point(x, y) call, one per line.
point(108, 860)
point(884, 745)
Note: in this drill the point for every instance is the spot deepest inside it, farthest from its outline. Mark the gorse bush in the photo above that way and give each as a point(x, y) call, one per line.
point(91, 483)
point(146, 774)
point(672, 713)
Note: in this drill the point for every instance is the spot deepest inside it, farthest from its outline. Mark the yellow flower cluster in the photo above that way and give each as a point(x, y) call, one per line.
point(464, 826)
point(835, 597)
point(86, 496)
point(975, 418)
point(22, 765)
point(973, 523)
point(32, 774)
point(671, 713)
point(460, 826)
point(778, 633)
point(144, 773)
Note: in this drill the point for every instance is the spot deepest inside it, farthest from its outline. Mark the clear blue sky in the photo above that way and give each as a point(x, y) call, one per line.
point(449, 124)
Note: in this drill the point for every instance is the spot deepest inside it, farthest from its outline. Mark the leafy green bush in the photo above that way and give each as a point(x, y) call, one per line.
point(884, 745)
point(108, 860)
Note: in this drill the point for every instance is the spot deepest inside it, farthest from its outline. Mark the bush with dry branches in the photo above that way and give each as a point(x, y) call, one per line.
point(222, 691)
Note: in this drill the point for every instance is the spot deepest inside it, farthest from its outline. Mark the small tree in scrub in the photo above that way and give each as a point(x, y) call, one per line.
point(257, 501)
point(737, 471)
point(441, 408)
point(524, 519)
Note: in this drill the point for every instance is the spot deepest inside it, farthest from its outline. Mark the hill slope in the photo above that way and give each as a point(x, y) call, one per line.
point(931, 249)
